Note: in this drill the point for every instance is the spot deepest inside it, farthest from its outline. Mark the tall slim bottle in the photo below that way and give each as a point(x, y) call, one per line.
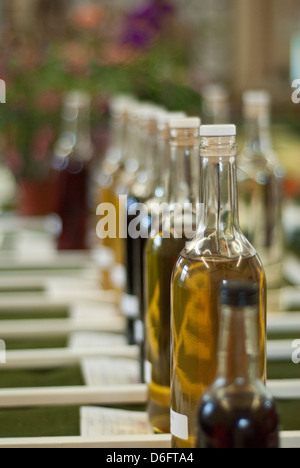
point(163, 249)
point(137, 232)
point(157, 153)
point(260, 190)
point(219, 252)
point(112, 173)
point(73, 153)
point(238, 411)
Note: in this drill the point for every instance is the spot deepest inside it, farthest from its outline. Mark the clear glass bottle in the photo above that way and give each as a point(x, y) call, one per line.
point(110, 254)
point(238, 411)
point(216, 107)
point(163, 249)
point(260, 180)
point(219, 252)
point(73, 153)
point(139, 192)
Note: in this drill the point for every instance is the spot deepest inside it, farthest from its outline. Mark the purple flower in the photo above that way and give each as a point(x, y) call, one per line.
point(144, 24)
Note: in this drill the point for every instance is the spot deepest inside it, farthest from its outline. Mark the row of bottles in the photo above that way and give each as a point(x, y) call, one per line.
point(173, 185)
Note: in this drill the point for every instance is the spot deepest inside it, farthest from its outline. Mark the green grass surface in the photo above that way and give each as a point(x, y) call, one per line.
point(67, 376)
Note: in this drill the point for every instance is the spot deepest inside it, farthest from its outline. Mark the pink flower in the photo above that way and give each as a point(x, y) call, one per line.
point(76, 57)
point(87, 16)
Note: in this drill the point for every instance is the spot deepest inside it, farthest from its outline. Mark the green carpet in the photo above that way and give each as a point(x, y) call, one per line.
point(60, 377)
point(40, 422)
point(280, 370)
point(39, 343)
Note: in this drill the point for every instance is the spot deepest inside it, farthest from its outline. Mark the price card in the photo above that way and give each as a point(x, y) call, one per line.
point(94, 340)
point(110, 371)
point(111, 422)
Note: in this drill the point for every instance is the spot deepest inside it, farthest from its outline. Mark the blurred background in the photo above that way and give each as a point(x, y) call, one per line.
point(166, 51)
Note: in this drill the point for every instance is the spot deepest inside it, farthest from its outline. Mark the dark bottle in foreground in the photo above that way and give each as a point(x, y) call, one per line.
point(237, 411)
point(72, 157)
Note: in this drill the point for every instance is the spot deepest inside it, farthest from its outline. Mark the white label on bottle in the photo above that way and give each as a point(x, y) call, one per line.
point(94, 340)
point(148, 372)
point(110, 371)
point(103, 422)
point(139, 331)
point(179, 425)
point(130, 306)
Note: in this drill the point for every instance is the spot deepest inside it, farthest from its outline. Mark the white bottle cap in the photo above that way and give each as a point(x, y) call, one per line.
point(122, 103)
point(217, 130)
point(257, 98)
point(187, 122)
point(77, 99)
point(166, 117)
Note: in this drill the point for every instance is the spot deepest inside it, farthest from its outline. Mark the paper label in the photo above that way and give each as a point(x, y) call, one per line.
point(103, 422)
point(139, 332)
point(130, 306)
point(92, 340)
point(110, 371)
point(148, 372)
point(82, 312)
point(179, 425)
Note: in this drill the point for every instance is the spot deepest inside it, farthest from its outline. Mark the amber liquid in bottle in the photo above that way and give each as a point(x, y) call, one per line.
point(219, 252)
point(162, 255)
point(163, 249)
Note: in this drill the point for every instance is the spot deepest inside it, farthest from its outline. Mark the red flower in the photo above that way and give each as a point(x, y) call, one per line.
point(87, 16)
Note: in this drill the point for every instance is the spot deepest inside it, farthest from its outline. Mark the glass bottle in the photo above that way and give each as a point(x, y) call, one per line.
point(110, 255)
point(260, 190)
point(158, 155)
point(73, 153)
point(216, 108)
point(237, 411)
point(163, 249)
point(137, 224)
point(218, 252)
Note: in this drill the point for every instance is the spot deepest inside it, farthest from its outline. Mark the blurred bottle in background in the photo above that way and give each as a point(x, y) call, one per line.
point(260, 179)
point(72, 157)
point(163, 249)
point(109, 254)
point(216, 104)
point(140, 192)
point(238, 411)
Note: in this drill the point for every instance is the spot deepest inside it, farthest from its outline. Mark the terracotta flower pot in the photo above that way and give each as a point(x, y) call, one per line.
point(37, 198)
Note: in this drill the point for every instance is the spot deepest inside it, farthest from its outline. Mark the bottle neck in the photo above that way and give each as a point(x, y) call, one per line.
point(219, 188)
point(116, 151)
point(183, 186)
point(238, 356)
point(148, 165)
point(258, 135)
point(76, 129)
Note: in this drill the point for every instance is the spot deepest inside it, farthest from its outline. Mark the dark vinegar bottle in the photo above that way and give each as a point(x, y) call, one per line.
point(72, 157)
point(238, 411)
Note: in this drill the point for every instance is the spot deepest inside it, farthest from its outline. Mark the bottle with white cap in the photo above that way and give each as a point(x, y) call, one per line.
point(111, 180)
point(73, 153)
point(216, 108)
point(137, 228)
point(169, 234)
point(158, 155)
point(260, 178)
point(218, 252)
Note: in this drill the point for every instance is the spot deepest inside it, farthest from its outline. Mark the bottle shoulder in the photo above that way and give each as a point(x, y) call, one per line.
point(249, 164)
